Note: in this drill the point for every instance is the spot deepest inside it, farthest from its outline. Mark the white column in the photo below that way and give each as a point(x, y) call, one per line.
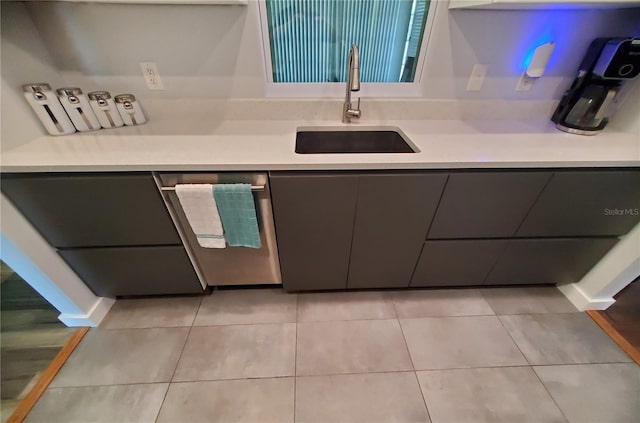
point(616, 270)
point(26, 252)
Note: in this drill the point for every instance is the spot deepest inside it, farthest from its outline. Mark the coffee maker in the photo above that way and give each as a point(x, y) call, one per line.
point(585, 108)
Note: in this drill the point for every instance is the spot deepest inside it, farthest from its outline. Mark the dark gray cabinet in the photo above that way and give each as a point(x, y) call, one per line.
point(585, 203)
point(342, 230)
point(456, 262)
point(84, 210)
point(547, 227)
point(113, 229)
point(314, 217)
point(393, 215)
point(134, 270)
point(547, 261)
point(486, 204)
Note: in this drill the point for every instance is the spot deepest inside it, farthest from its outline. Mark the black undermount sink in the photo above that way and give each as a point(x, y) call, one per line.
point(351, 141)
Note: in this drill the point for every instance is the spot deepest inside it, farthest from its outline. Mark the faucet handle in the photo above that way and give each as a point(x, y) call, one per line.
point(355, 113)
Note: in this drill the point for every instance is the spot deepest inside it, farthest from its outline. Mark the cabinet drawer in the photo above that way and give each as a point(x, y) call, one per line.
point(134, 270)
point(84, 210)
point(547, 261)
point(456, 263)
point(486, 204)
point(585, 203)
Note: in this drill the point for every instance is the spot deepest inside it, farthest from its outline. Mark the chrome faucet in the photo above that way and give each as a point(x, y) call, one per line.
point(353, 84)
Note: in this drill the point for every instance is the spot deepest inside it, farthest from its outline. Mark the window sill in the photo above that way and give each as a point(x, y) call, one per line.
point(337, 89)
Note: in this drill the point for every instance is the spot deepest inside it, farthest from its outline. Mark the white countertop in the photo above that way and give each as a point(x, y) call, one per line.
point(198, 145)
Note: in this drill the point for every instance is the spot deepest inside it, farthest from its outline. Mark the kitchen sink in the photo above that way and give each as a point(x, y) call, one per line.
point(338, 140)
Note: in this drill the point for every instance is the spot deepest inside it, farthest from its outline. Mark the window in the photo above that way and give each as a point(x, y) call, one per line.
point(309, 40)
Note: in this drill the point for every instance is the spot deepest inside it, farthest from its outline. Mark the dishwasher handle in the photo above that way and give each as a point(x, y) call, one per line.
point(253, 188)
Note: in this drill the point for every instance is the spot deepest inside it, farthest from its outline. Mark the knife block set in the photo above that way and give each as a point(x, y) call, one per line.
point(70, 110)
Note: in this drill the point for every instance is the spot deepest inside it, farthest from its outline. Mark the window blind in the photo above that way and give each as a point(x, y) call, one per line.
point(310, 39)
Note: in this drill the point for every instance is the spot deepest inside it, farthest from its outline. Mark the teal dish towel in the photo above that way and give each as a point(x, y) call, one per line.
point(238, 214)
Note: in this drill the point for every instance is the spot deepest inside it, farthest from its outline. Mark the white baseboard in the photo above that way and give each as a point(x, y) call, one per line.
point(582, 301)
point(92, 318)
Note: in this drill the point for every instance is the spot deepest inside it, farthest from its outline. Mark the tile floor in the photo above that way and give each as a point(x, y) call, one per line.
point(467, 355)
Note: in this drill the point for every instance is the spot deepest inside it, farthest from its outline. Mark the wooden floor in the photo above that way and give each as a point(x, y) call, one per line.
point(30, 334)
point(624, 314)
point(622, 320)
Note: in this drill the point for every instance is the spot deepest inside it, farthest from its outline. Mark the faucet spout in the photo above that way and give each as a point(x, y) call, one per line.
point(355, 68)
point(353, 84)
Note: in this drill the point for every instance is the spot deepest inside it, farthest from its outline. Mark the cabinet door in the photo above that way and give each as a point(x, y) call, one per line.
point(393, 215)
point(547, 261)
point(586, 203)
point(456, 262)
point(314, 225)
point(83, 210)
point(486, 204)
point(134, 270)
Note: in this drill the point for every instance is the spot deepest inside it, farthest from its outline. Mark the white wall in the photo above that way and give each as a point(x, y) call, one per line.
point(24, 59)
point(216, 51)
point(502, 39)
point(200, 50)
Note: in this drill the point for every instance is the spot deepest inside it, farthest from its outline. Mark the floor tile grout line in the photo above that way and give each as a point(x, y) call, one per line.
point(424, 396)
point(550, 395)
point(397, 316)
point(186, 339)
point(343, 374)
point(532, 369)
point(415, 373)
point(232, 379)
point(542, 314)
point(482, 315)
point(447, 316)
point(109, 384)
point(195, 316)
point(406, 345)
point(484, 297)
point(388, 298)
point(357, 373)
point(281, 322)
point(350, 320)
point(513, 340)
point(174, 370)
point(463, 368)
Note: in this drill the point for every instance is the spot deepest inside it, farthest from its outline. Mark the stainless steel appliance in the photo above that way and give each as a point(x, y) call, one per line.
point(231, 265)
point(588, 104)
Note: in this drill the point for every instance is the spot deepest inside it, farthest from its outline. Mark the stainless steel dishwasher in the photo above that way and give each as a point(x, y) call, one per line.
point(231, 265)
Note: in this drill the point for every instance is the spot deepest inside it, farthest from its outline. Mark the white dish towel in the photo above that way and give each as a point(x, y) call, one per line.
point(199, 205)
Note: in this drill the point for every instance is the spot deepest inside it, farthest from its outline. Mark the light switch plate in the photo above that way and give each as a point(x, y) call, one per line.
point(477, 77)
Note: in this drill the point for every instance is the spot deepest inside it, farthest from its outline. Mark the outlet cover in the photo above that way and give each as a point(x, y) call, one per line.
point(524, 83)
point(477, 77)
point(151, 75)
